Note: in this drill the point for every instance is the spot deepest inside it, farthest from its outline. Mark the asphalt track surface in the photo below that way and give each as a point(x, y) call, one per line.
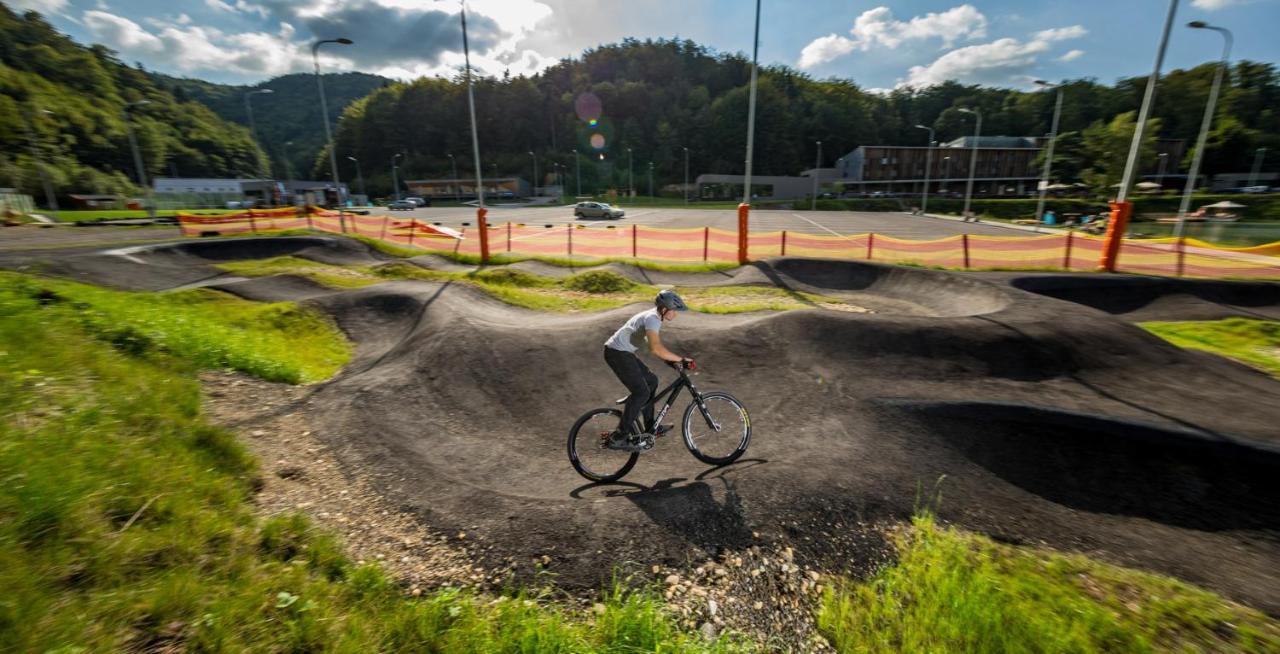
point(1024, 406)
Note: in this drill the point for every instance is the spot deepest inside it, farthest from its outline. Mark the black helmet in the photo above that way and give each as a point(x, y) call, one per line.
point(669, 300)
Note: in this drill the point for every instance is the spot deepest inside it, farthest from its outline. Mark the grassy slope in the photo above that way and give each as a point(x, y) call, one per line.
point(125, 521)
point(1253, 342)
point(588, 291)
point(957, 592)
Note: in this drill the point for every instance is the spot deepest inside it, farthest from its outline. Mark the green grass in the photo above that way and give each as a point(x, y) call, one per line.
point(278, 342)
point(587, 291)
point(126, 525)
point(955, 592)
point(1253, 342)
point(81, 215)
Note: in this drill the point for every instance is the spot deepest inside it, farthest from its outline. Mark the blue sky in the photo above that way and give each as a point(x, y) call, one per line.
point(880, 45)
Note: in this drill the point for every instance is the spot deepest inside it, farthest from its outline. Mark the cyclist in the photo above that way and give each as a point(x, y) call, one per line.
point(620, 353)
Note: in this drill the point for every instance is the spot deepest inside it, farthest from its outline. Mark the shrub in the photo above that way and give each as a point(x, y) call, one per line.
point(599, 281)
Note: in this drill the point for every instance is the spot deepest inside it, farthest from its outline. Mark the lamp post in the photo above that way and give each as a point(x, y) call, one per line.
point(253, 128)
point(49, 197)
point(1053, 140)
point(482, 226)
point(1122, 208)
point(1257, 166)
point(686, 175)
point(535, 172)
point(395, 181)
point(651, 179)
point(328, 133)
point(137, 156)
point(631, 181)
point(973, 160)
point(360, 178)
point(1163, 158)
point(813, 202)
point(946, 174)
point(928, 166)
point(1209, 107)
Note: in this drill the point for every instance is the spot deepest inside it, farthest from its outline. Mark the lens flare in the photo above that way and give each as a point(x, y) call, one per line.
point(588, 107)
point(593, 122)
point(597, 141)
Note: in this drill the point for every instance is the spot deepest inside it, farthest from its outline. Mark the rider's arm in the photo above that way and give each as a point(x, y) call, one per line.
point(658, 349)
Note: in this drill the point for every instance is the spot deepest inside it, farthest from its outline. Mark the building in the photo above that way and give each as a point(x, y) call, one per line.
point(195, 192)
point(1006, 165)
point(465, 188)
point(775, 187)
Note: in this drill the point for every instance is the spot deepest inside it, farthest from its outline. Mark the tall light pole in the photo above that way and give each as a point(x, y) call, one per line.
point(1160, 168)
point(360, 178)
point(631, 180)
point(253, 127)
point(813, 203)
point(744, 209)
point(577, 164)
point(328, 133)
point(928, 166)
point(973, 160)
point(49, 197)
point(395, 180)
point(1258, 158)
point(453, 163)
point(482, 226)
point(1209, 108)
point(535, 172)
point(137, 156)
point(1053, 140)
point(686, 174)
point(650, 179)
point(946, 175)
point(1121, 208)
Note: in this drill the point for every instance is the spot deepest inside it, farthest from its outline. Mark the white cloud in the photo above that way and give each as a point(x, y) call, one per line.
point(42, 6)
point(122, 33)
point(1061, 33)
point(219, 5)
point(878, 27)
point(1071, 55)
point(1212, 5)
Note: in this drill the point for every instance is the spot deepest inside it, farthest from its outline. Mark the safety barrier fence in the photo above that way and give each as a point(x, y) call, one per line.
point(1062, 251)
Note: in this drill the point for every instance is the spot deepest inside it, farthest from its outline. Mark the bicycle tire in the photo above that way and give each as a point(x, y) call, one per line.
point(582, 468)
point(688, 439)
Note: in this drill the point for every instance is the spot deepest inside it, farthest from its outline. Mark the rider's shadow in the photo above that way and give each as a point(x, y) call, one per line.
point(692, 512)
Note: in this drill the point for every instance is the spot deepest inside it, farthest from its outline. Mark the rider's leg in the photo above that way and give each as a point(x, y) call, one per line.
point(651, 380)
point(631, 373)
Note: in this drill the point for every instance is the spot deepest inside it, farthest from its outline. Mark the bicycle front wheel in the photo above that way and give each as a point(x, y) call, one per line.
point(717, 428)
point(589, 447)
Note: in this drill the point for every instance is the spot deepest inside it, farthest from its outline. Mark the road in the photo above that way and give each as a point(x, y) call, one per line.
point(840, 223)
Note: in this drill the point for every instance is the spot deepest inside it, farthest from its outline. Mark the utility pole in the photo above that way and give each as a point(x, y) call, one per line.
point(973, 161)
point(137, 156)
point(1048, 159)
point(813, 205)
point(328, 133)
point(928, 167)
point(744, 209)
point(482, 226)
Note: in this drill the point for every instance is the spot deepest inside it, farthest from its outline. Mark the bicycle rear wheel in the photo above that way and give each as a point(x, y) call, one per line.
point(588, 447)
point(717, 429)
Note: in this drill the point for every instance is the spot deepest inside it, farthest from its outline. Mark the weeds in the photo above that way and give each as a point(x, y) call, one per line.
point(1253, 342)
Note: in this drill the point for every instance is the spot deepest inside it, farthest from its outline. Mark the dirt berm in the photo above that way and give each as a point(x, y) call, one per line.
point(1035, 420)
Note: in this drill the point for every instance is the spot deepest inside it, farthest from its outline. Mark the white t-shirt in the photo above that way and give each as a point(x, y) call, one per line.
point(631, 335)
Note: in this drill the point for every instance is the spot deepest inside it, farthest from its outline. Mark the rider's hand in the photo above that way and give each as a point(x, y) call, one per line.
point(688, 364)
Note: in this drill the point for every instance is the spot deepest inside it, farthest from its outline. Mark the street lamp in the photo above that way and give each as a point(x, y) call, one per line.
point(577, 163)
point(1163, 157)
point(686, 175)
point(395, 181)
point(137, 156)
point(49, 196)
point(650, 179)
point(946, 174)
point(631, 180)
point(360, 178)
point(813, 203)
point(328, 133)
point(457, 189)
point(535, 172)
point(1204, 124)
point(1053, 140)
point(973, 161)
point(1258, 158)
point(928, 164)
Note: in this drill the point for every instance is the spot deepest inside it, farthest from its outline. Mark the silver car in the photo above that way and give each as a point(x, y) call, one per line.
point(596, 210)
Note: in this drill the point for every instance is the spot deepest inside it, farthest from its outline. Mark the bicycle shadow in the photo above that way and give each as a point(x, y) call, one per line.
point(691, 510)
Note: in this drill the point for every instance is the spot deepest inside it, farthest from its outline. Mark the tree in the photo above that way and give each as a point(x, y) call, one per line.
point(1105, 150)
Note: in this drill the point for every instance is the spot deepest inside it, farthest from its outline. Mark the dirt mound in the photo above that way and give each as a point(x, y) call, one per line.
point(464, 403)
point(1155, 298)
point(276, 288)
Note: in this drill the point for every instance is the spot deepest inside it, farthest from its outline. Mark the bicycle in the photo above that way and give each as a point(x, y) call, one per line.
point(726, 420)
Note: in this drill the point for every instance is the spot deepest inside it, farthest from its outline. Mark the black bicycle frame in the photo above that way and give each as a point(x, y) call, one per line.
point(674, 390)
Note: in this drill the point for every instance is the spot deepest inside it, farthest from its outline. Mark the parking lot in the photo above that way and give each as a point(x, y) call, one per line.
point(894, 224)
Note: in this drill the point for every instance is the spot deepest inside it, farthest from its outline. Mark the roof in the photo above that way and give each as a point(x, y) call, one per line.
point(992, 142)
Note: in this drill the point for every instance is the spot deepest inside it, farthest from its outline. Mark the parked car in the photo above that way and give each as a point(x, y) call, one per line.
point(417, 201)
point(402, 205)
point(596, 210)
point(1255, 189)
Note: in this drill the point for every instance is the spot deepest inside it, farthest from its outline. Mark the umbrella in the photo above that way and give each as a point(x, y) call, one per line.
point(1057, 187)
point(1148, 185)
point(1225, 204)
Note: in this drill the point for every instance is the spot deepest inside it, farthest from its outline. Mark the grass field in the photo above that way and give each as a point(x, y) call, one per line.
point(82, 215)
point(952, 591)
point(1252, 342)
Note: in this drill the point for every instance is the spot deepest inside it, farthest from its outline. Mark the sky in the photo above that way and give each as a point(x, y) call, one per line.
point(879, 45)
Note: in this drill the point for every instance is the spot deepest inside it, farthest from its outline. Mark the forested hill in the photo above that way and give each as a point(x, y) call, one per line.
point(657, 97)
point(287, 119)
point(73, 97)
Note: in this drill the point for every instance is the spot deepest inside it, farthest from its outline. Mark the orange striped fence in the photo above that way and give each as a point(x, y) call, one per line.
point(1066, 251)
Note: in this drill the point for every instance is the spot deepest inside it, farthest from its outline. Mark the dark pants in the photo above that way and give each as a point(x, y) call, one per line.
point(639, 380)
